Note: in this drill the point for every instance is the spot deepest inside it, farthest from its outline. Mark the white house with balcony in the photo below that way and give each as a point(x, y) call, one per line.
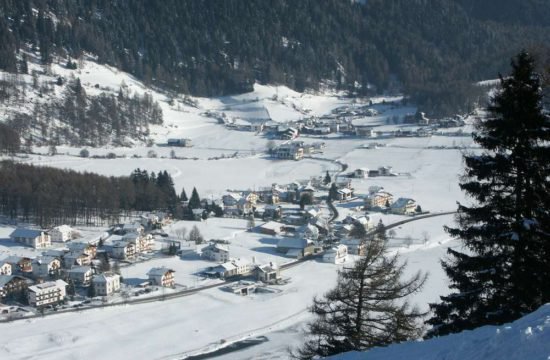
point(215, 252)
point(81, 275)
point(47, 293)
point(62, 233)
point(336, 255)
point(162, 276)
point(37, 239)
point(106, 284)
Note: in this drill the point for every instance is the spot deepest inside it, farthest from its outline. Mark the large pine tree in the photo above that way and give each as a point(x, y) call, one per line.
point(504, 269)
point(367, 308)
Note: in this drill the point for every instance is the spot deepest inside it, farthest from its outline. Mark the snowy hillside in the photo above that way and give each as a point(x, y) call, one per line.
point(526, 338)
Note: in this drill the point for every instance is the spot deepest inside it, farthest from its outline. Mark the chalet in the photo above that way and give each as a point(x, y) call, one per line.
point(19, 264)
point(142, 243)
point(106, 284)
point(359, 220)
point(133, 228)
point(287, 133)
point(88, 249)
point(123, 250)
point(295, 247)
point(47, 293)
point(35, 238)
point(289, 151)
point(361, 173)
point(6, 268)
point(76, 258)
point(272, 212)
point(344, 194)
point(12, 285)
point(268, 273)
point(271, 228)
point(336, 255)
point(403, 206)
point(179, 142)
point(81, 275)
point(46, 266)
point(386, 171)
point(364, 131)
point(216, 252)
point(355, 246)
point(234, 267)
point(379, 199)
point(343, 183)
point(198, 214)
point(62, 233)
point(162, 276)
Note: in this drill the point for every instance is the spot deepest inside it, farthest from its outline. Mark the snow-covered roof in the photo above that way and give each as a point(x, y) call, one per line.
point(45, 285)
point(272, 225)
point(159, 271)
point(105, 277)
point(80, 269)
point(25, 233)
point(63, 228)
point(293, 243)
point(344, 191)
point(401, 202)
point(4, 279)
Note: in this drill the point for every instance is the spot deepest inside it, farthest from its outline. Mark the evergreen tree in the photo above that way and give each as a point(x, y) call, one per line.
point(504, 272)
point(367, 308)
point(91, 290)
point(195, 201)
point(327, 179)
point(183, 196)
point(333, 192)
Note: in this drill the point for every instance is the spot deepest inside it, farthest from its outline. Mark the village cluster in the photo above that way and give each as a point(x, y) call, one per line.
point(346, 121)
point(300, 215)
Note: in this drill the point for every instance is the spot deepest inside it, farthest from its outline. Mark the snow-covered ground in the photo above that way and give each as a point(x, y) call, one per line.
point(525, 338)
point(201, 322)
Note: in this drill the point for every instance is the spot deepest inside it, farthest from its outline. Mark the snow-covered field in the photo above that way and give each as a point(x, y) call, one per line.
point(200, 322)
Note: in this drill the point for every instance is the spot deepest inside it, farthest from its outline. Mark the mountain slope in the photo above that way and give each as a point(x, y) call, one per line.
point(434, 49)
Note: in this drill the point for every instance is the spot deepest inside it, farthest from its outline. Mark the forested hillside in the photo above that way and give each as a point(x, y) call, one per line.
point(433, 50)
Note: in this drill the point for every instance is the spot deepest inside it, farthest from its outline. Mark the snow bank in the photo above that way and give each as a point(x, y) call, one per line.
point(526, 338)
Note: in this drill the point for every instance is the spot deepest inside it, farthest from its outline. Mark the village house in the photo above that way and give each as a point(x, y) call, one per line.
point(19, 264)
point(162, 276)
point(142, 243)
point(287, 133)
point(234, 267)
point(295, 247)
point(106, 284)
point(268, 273)
point(361, 173)
point(289, 151)
point(76, 258)
point(364, 131)
point(37, 239)
point(198, 214)
point(47, 293)
point(336, 255)
point(81, 275)
point(180, 142)
point(272, 212)
point(343, 183)
point(5, 268)
point(135, 228)
point(62, 233)
point(271, 228)
point(344, 194)
point(379, 199)
point(46, 266)
point(363, 220)
point(123, 250)
point(83, 247)
point(215, 252)
point(12, 285)
point(403, 206)
point(355, 246)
